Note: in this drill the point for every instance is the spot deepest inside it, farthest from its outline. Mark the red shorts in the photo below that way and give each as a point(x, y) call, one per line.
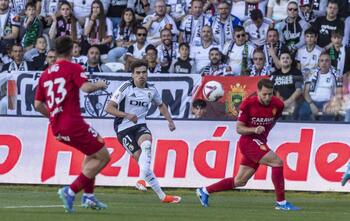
point(82, 137)
point(252, 151)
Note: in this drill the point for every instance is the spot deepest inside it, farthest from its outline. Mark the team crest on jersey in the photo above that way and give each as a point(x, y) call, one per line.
point(234, 98)
point(96, 102)
point(149, 95)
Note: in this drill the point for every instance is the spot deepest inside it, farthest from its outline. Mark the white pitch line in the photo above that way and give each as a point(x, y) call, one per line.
point(39, 206)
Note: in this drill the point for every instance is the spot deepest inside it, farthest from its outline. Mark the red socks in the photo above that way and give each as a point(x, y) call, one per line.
point(90, 187)
point(225, 184)
point(80, 183)
point(278, 182)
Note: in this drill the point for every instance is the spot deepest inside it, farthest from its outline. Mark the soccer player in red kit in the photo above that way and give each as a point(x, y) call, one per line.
point(257, 116)
point(57, 97)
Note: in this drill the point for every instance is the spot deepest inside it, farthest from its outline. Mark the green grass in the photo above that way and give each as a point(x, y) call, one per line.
point(129, 204)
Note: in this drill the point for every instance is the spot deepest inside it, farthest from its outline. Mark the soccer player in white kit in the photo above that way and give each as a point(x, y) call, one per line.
point(130, 104)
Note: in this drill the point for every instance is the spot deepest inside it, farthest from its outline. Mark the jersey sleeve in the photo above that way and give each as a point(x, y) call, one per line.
point(243, 115)
point(120, 93)
point(40, 92)
point(157, 100)
point(79, 77)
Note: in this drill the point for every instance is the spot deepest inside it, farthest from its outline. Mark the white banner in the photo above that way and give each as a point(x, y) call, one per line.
point(198, 153)
point(176, 91)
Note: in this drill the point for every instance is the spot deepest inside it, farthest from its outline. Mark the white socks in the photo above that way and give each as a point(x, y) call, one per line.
point(145, 159)
point(153, 182)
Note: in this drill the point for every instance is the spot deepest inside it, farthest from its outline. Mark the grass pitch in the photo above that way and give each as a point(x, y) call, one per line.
point(129, 204)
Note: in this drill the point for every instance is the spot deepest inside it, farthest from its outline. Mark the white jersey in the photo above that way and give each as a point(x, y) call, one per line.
point(308, 59)
point(134, 100)
point(257, 35)
point(235, 56)
point(200, 56)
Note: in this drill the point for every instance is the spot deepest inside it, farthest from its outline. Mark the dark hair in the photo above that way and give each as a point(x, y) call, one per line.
point(256, 14)
point(165, 29)
point(184, 44)
point(199, 103)
point(94, 46)
point(151, 47)
point(258, 50)
point(71, 19)
point(64, 46)
point(332, 2)
point(273, 29)
point(122, 23)
point(265, 82)
point(51, 50)
point(137, 64)
point(238, 28)
point(310, 31)
point(285, 51)
point(324, 53)
point(30, 5)
point(337, 33)
point(16, 45)
point(141, 28)
point(214, 49)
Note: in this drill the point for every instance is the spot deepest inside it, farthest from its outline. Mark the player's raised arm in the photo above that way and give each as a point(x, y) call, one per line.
point(41, 108)
point(164, 111)
point(89, 87)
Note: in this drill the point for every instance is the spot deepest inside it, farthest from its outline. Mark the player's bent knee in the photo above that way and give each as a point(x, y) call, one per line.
point(240, 182)
point(146, 145)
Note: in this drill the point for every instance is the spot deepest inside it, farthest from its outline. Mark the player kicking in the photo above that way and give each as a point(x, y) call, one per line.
point(346, 176)
point(57, 97)
point(130, 104)
point(257, 116)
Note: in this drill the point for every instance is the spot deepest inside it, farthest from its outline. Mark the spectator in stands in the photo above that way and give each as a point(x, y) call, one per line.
point(151, 58)
point(98, 29)
point(64, 23)
point(239, 53)
point(322, 92)
point(137, 51)
point(31, 27)
point(158, 21)
point(346, 32)
point(307, 56)
point(176, 9)
point(93, 63)
point(37, 55)
point(77, 57)
point(47, 9)
point(216, 67)
point(276, 10)
point(114, 12)
point(199, 109)
point(318, 7)
point(260, 67)
point(82, 8)
point(305, 11)
point(223, 24)
point(18, 63)
point(9, 26)
point(292, 29)
point(288, 83)
point(50, 59)
point(326, 24)
point(191, 26)
point(125, 35)
point(141, 8)
point(257, 27)
point(168, 51)
point(339, 54)
point(183, 64)
point(273, 49)
point(243, 8)
point(199, 53)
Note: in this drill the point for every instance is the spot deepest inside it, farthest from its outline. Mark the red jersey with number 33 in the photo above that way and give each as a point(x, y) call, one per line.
point(254, 114)
point(59, 88)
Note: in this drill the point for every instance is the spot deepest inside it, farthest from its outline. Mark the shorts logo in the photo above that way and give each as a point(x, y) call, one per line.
point(95, 103)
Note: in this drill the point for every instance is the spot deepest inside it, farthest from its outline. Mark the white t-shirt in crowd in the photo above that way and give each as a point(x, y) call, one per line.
point(200, 56)
point(235, 56)
point(308, 59)
point(279, 11)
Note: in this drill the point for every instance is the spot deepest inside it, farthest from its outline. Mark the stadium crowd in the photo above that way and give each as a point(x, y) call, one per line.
point(302, 45)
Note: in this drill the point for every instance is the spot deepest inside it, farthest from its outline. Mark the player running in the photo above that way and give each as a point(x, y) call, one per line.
point(346, 176)
point(257, 116)
point(130, 104)
point(57, 97)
